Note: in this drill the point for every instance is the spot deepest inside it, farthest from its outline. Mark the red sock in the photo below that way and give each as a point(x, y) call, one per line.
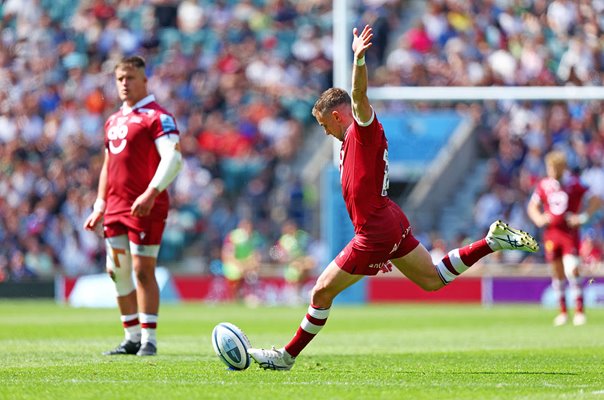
point(579, 305)
point(473, 252)
point(562, 304)
point(459, 260)
point(312, 323)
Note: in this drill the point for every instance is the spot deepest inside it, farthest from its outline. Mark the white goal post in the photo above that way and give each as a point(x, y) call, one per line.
point(342, 59)
point(478, 93)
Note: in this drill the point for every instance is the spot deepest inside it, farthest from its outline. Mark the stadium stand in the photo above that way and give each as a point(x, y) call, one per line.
point(529, 43)
point(241, 77)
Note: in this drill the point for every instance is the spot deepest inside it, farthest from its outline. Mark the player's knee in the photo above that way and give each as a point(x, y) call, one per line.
point(122, 278)
point(431, 285)
point(119, 266)
point(144, 275)
point(571, 265)
point(144, 258)
point(321, 297)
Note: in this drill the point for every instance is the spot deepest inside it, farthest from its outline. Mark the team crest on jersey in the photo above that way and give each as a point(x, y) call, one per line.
point(116, 135)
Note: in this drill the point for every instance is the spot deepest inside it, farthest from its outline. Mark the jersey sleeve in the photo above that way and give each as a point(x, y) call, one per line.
point(162, 125)
point(367, 133)
point(538, 194)
point(536, 198)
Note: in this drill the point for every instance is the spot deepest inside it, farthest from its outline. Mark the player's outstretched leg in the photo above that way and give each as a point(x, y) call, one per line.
point(275, 359)
point(503, 237)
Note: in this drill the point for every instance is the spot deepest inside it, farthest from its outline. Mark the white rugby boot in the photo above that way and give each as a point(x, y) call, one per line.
point(561, 319)
point(275, 359)
point(503, 237)
point(579, 319)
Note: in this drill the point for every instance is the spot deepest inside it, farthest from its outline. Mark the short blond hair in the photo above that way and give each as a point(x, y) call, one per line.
point(557, 161)
point(330, 100)
point(137, 62)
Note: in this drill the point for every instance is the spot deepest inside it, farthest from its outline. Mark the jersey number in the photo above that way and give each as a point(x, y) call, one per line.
point(386, 181)
point(558, 202)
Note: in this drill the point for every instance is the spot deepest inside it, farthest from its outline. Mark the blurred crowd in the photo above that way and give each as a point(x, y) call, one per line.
point(507, 43)
point(241, 78)
point(499, 42)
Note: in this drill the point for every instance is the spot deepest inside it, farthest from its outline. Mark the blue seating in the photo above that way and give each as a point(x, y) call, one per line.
point(418, 137)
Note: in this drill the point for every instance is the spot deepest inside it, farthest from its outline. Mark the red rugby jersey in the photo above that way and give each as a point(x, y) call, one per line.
point(364, 174)
point(130, 135)
point(559, 199)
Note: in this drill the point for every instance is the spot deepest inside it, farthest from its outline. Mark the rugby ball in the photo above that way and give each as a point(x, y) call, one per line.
point(230, 345)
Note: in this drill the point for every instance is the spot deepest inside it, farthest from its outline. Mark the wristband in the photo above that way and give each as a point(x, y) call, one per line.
point(360, 61)
point(99, 205)
point(583, 218)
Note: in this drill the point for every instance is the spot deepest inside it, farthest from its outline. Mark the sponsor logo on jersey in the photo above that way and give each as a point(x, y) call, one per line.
point(167, 123)
point(378, 265)
point(116, 135)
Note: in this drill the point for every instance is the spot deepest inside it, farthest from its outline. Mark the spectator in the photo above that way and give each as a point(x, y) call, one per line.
point(241, 258)
point(18, 268)
point(4, 268)
point(292, 251)
point(259, 67)
point(56, 72)
point(489, 206)
point(38, 257)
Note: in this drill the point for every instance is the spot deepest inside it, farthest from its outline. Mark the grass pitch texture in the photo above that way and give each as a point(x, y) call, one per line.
point(49, 351)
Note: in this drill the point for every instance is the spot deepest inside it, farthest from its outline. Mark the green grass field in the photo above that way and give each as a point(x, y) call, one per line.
point(439, 352)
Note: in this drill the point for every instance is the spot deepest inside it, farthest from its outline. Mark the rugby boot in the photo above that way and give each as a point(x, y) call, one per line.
point(126, 347)
point(275, 359)
point(579, 319)
point(147, 349)
point(503, 237)
point(561, 319)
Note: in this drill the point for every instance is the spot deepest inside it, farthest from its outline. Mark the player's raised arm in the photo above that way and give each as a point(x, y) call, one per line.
point(360, 102)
